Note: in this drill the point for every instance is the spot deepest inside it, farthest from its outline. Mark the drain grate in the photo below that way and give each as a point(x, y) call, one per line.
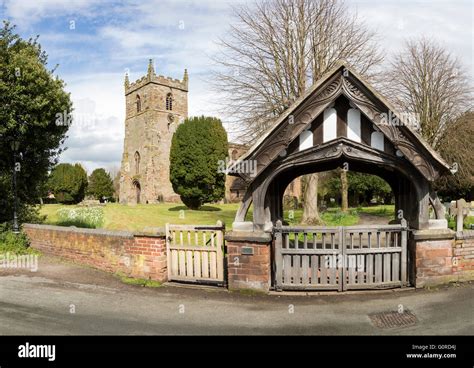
point(393, 319)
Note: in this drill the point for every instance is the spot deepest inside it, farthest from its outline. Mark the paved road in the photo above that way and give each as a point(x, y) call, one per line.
point(41, 303)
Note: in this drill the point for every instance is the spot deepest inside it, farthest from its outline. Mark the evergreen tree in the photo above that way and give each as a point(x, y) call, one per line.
point(198, 149)
point(101, 185)
point(31, 99)
point(68, 183)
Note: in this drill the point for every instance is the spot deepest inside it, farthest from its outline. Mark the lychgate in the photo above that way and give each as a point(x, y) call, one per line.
point(340, 122)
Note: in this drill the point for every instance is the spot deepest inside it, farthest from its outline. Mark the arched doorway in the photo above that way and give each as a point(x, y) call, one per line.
point(138, 191)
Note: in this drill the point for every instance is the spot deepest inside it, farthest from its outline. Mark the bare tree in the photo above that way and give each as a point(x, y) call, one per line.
point(429, 82)
point(456, 146)
point(275, 51)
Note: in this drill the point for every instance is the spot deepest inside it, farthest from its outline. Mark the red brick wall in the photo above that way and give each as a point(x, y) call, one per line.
point(248, 271)
point(441, 261)
point(463, 261)
point(134, 255)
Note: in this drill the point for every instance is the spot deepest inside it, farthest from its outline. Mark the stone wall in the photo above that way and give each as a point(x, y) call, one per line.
point(139, 256)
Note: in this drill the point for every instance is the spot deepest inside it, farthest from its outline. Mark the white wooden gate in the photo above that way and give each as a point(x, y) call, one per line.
point(195, 253)
point(340, 258)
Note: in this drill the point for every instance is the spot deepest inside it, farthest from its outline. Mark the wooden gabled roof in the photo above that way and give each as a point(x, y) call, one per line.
point(343, 80)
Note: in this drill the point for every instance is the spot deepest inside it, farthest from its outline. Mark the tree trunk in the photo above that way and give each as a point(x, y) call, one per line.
point(310, 207)
point(344, 189)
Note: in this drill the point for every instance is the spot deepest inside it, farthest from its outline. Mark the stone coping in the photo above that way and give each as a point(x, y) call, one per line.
point(249, 236)
point(150, 235)
point(102, 232)
point(465, 234)
point(432, 234)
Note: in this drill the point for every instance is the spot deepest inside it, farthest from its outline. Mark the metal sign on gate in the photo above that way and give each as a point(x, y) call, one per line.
point(340, 258)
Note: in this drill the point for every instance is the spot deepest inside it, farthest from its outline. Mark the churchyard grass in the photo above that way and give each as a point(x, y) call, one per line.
point(141, 217)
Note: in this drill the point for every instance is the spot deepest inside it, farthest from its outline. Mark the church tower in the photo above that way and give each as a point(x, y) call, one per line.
point(155, 105)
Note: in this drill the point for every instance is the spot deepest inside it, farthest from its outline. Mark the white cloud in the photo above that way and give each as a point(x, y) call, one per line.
point(180, 34)
point(450, 22)
point(27, 12)
point(96, 136)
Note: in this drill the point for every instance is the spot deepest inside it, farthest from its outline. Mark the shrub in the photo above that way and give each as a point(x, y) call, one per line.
point(14, 243)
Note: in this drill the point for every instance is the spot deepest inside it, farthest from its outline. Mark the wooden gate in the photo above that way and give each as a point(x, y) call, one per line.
point(340, 258)
point(195, 253)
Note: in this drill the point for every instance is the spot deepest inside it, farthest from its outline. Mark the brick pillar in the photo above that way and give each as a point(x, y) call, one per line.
point(152, 258)
point(432, 257)
point(249, 260)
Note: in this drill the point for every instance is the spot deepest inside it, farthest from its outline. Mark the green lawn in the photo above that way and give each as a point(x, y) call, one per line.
point(331, 217)
point(138, 218)
point(381, 210)
point(468, 221)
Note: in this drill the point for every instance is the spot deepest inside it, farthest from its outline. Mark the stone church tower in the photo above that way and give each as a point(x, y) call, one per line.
point(155, 105)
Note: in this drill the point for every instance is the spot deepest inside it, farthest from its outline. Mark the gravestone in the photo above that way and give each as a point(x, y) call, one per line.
point(459, 209)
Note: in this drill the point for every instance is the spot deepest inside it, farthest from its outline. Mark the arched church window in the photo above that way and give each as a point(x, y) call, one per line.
point(137, 163)
point(139, 104)
point(169, 102)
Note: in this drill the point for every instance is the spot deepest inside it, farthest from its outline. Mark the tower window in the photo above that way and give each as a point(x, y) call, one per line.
point(137, 163)
point(169, 102)
point(139, 104)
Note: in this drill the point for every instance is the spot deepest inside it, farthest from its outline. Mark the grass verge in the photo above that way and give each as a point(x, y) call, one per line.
point(139, 282)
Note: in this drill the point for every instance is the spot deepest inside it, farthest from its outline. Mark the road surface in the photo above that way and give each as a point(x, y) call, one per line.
point(63, 298)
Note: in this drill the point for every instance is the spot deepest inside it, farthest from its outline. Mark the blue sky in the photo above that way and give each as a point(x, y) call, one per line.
point(95, 42)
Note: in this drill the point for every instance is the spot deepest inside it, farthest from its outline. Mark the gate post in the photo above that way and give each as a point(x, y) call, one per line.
point(432, 257)
point(278, 260)
point(220, 250)
point(404, 241)
point(249, 260)
point(168, 252)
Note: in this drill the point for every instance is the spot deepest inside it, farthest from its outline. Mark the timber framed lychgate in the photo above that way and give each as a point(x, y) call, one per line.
point(340, 258)
point(195, 253)
point(341, 122)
